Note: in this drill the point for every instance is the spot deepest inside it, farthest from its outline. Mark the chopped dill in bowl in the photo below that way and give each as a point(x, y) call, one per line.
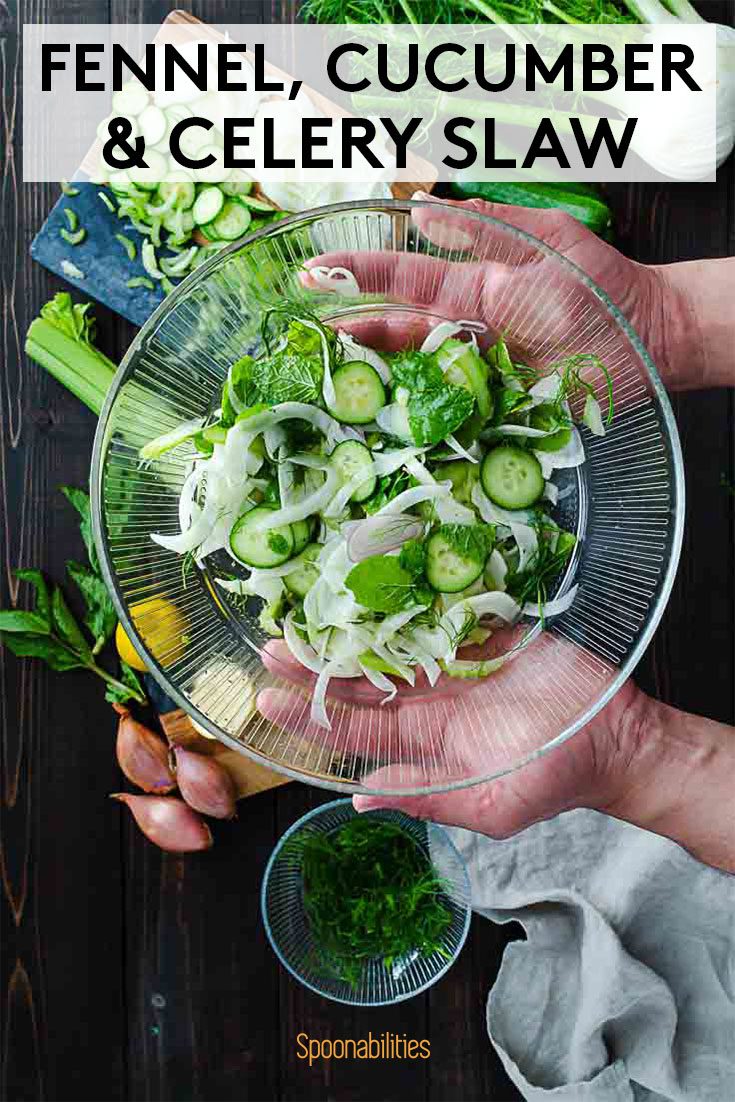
point(370, 891)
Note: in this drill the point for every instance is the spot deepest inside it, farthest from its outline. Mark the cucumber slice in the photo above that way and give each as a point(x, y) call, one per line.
point(256, 204)
point(103, 133)
point(119, 182)
point(179, 223)
point(511, 477)
point(301, 531)
point(464, 367)
point(193, 140)
point(463, 475)
point(359, 391)
point(237, 188)
point(209, 202)
point(259, 546)
point(153, 125)
point(132, 99)
point(447, 570)
point(543, 417)
point(150, 177)
point(300, 581)
point(180, 185)
point(231, 223)
point(350, 457)
point(215, 173)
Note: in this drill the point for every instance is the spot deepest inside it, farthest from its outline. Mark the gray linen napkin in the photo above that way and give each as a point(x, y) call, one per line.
point(625, 988)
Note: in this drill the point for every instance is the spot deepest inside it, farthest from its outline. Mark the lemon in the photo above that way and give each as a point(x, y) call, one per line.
point(162, 628)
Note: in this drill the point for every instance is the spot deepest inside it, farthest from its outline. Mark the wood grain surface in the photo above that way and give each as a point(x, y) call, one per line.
point(130, 974)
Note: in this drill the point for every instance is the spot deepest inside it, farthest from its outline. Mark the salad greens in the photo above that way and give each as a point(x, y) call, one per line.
point(386, 509)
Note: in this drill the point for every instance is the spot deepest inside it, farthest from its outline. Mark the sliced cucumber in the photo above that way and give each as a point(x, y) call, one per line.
point(179, 223)
point(301, 531)
point(230, 224)
point(544, 417)
point(153, 125)
point(192, 140)
point(447, 570)
point(463, 366)
point(253, 543)
point(512, 477)
point(463, 475)
point(350, 458)
point(209, 202)
point(132, 99)
point(179, 186)
point(237, 187)
point(359, 391)
point(215, 173)
point(256, 204)
point(149, 178)
point(300, 581)
point(119, 182)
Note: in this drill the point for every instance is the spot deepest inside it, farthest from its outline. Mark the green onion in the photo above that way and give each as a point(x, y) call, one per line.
point(166, 285)
point(75, 238)
point(72, 217)
point(61, 341)
point(67, 189)
point(71, 270)
point(141, 281)
point(148, 256)
point(128, 244)
point(107, 201)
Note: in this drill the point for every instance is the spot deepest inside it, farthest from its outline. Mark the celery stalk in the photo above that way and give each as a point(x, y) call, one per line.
point(61, 341)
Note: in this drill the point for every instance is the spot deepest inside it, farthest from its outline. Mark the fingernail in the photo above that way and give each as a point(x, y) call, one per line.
point(421, 195)
point(368, 803)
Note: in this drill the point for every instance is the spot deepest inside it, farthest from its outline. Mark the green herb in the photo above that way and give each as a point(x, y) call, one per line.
point(435, 407)
point(50, 630)
point(141, 281)
point(67, 189)
point(381, 584)
point(277, 543)
point(467, 11)
point(413, 557)
point(370, 892)
point(573, 382)
point(532, 584)
point(471, 541)
point(75, 238)
point(389, 486)
point(128, 244)
point(72, 217)
point(61, 340)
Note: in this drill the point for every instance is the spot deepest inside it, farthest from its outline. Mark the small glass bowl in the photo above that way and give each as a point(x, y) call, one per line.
point(289, 932)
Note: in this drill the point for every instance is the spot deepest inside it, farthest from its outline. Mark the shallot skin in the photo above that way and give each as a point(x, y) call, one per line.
point(205, 784)
point(142, 755)
point(168, 822)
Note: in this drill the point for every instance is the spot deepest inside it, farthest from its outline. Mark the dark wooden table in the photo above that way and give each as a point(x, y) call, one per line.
point(128, 974)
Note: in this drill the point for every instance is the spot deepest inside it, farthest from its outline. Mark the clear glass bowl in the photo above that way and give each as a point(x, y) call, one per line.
point(416, 262)
point(287, 925)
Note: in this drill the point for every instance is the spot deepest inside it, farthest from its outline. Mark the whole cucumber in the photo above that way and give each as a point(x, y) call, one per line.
point(580, 200)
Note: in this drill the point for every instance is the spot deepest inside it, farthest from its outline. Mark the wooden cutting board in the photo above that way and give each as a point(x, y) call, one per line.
point(250, 777)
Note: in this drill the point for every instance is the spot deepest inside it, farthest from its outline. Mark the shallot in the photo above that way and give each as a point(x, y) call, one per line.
point(142, 755)
point(167, 822)
point(205, 784)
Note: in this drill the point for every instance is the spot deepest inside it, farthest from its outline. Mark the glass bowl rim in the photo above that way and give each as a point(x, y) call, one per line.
point(439, 830)
point(404, 205)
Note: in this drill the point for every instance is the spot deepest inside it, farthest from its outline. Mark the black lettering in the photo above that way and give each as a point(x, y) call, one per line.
point(603, 134)
point(335, 78)
point(233, 140)
point(545, 133)
point(261, 84)
point(227, 65)
point(597, 59)
point(510, 69)
point(48, 64)
point(430, 66)
point(145, 74)
point(564, 63)
point(84, 66)
point(401, 138)
point(175, 147)
point(632, 66)
point(491, 161)
point(679, 67)
point(351, 140)
point(450, 133)
point(383, 65)
point(309, 139)
point(173, 59)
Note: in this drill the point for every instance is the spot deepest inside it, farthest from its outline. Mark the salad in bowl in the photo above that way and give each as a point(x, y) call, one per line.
point(388, 510)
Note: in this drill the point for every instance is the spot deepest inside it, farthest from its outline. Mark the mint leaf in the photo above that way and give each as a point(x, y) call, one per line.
point(389, 486)
point(436, 412)
point(16, 620)
point(43, 600)
point(290, 376)
point(416, 370)
point(58, 656)
point(127, 688)
point(381, 584)
point(100, 617)
point(80, 500)
point(67, 628)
